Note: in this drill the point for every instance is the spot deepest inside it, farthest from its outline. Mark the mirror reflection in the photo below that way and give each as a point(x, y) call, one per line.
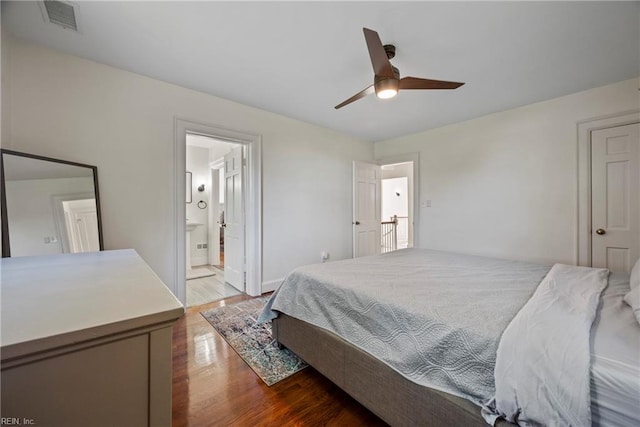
point(49, 206)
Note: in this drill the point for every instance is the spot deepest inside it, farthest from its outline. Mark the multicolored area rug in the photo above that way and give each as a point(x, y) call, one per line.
point(237, 325)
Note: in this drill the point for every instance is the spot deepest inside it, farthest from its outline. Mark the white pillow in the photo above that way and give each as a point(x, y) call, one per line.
point(633, 296)
point(635, 275)
point(633, 299)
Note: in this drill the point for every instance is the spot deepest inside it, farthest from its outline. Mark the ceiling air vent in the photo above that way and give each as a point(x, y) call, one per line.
point(60, 13)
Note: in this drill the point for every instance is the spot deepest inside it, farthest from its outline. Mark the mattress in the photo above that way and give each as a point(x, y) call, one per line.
point(337, 296)
point(615, 359)
point(434, 317)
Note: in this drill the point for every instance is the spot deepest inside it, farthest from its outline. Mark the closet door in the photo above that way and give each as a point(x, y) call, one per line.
point(615, 197)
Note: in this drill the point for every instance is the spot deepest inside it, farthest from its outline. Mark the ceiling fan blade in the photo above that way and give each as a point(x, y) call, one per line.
point(379, 60)
point(361, 94)
point(416, 83)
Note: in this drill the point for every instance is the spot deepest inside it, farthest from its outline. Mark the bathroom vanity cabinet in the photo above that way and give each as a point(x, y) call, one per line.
point(86, 340)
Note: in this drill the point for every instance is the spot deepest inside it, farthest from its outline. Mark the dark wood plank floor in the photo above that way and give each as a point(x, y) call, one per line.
point(212, 386)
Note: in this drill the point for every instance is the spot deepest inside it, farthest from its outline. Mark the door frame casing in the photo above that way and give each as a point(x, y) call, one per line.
point(252, 194)
point(415, 159)
point(583, 210)
point(214, 200)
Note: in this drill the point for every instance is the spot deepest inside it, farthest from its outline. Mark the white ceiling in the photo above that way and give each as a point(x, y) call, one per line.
point(300, 59)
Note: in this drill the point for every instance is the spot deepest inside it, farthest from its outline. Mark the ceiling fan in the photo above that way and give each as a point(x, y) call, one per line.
point(387, 81)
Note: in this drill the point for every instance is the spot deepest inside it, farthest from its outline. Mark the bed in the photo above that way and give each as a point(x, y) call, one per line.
point(416, 335)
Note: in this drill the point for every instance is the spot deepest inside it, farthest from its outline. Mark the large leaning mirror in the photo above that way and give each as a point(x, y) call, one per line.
point(49, 206)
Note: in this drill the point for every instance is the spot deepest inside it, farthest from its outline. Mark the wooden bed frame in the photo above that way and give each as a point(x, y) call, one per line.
point(395, 399)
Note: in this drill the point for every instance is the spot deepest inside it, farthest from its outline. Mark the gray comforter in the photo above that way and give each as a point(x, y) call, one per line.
point(435, 317)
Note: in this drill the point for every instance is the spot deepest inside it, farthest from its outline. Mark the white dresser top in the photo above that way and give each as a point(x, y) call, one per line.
point(52, 301)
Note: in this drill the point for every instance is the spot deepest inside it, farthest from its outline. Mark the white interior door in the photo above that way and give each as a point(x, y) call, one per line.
point(234, 219)
point(214, 216)
point(366, 209)
point(615, 197)
point(82, 225)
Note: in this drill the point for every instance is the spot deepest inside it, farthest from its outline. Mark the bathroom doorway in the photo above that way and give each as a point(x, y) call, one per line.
point(210, 163)
point(252, 147)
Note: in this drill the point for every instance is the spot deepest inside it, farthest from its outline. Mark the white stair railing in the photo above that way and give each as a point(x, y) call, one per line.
point(389, 235)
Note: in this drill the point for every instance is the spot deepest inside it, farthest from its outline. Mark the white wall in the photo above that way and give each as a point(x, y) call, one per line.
point(506, 184)
point(394, 197)
point(67, 107)
point(30, 213)
point(218, 151)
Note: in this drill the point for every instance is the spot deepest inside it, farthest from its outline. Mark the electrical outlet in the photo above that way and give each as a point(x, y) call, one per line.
point(204, 246)
point(199, 246)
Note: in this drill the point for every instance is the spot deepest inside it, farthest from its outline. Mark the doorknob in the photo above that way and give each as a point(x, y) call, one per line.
point(357, 223)
point(600, 231)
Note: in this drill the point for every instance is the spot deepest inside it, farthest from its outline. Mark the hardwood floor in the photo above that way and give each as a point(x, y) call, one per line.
point(212, 386)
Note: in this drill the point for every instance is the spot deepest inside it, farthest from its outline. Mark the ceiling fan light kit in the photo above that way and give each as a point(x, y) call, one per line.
point(386, 88)
point(387, 82)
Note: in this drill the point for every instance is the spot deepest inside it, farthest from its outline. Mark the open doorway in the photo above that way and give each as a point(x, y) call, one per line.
point(395, 214)
point(397, 206)
point(215, 169)
point(250, 265)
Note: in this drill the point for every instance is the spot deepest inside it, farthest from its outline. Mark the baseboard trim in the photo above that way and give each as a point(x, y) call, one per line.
point(198, 261)
point(271, 285)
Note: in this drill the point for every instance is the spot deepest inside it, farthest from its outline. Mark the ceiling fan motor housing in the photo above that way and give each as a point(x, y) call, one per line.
point(390, 50)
